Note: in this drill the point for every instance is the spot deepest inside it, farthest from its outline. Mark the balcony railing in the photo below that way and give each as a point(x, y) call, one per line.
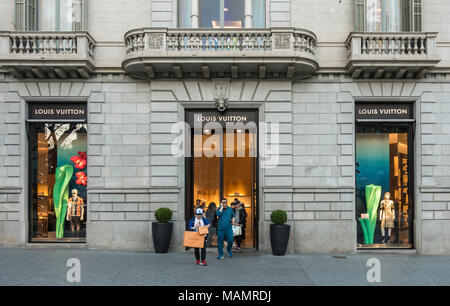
point(391, 55)
point(276, 52)
point(47, 54)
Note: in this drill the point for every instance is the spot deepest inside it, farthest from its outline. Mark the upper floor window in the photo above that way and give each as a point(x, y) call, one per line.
point(50, 15)
point(388, 15)
point(221, 13)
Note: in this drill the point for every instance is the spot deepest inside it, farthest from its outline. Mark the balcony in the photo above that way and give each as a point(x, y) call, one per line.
point(47, 54)
point(391, 55)
point(208, 53)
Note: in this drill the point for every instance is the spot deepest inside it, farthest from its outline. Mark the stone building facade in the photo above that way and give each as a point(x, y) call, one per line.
point(138, 73)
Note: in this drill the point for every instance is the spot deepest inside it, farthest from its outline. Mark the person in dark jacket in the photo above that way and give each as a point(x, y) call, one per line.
point(224, 230)
point(240, 219)
point(211, 217)
point(194, 225)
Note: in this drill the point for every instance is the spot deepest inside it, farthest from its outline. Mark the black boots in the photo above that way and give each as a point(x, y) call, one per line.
point(386, 238)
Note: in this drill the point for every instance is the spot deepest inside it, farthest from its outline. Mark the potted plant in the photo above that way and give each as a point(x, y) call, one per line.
point(279, 232)
point(162, 230)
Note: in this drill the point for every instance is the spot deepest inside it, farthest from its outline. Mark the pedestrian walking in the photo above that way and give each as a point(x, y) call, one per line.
point(212, 219)
point(240, 219)
point(224, 229)
point(194, 224)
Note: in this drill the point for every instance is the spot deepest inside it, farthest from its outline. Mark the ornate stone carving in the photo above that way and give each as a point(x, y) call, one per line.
point(282, 41)
point(155, 41)
point(221, 94)
point(222, 105)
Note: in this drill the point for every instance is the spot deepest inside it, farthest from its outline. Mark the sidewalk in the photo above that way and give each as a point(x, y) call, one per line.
point(249, 268)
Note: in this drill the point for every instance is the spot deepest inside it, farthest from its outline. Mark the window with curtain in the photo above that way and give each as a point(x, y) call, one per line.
point(50, 15)
point(259, 13)
point(184, 13)
point(222, 13)
point(388, 15)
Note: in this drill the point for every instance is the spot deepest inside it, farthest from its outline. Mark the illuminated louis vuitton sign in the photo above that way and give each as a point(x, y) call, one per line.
point(384, 111)
point(203, 117)
point(58, 111)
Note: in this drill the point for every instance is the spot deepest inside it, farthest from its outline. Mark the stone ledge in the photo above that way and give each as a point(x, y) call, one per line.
point(434, 189)
point(10, 190)
point(325, 190)
point(442, 215)
point(294, 190)
point(433, 206)
point(98, 190)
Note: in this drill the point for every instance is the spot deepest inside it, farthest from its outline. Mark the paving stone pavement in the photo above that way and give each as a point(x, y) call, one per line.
point(250, 268)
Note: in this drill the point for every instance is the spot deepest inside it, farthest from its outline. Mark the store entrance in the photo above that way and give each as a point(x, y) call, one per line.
point(223, 164)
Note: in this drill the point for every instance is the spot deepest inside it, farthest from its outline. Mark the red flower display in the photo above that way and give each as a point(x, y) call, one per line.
point(79, 160)
point(81, 178)
point(82, 155)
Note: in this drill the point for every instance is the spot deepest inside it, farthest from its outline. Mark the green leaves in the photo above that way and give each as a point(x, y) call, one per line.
point(373, 195)
point(63, 175)
point(163, 214)
point(278, 217)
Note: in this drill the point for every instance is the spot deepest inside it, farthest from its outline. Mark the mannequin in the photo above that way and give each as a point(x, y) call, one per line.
point(387, 217)
point(75, 212)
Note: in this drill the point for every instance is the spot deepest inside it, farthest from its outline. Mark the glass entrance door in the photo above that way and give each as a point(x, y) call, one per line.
point(223, 164)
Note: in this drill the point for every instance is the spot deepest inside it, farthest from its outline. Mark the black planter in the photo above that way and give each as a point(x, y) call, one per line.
point(279, 238)
point(162, 234)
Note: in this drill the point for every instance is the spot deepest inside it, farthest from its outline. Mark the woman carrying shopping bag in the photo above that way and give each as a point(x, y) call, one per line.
point(194, 225)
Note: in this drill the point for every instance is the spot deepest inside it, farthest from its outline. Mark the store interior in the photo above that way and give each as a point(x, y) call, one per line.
point(226, 167)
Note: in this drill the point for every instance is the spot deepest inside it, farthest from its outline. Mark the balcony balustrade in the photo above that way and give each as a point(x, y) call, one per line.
point(263, 53)
point(391, 55)
point(47, 54)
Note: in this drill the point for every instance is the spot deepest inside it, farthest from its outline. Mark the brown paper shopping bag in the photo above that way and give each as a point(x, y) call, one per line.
point(203, 230)
point(193, 240)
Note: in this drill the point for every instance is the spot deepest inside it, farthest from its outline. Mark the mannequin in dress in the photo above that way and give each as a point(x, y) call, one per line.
point(387, 217)
point(75, 212)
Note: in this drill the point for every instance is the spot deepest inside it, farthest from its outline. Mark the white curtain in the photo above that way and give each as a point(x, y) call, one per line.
point(259, 13)
point(61, 15)
point(47, 15)
point(392, 17)
point(77, 15)
point(184, 13)
point(383, 15)
point(65, 15)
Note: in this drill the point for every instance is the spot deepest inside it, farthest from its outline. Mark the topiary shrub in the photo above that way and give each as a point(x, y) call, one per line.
point(163, 214)
point(278, 217)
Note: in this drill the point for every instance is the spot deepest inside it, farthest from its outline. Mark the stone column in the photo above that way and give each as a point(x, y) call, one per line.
point(248, 13)
point(195, 13)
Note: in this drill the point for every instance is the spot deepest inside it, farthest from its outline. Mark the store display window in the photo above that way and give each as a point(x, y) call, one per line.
point(384, 180)
point(58, 173)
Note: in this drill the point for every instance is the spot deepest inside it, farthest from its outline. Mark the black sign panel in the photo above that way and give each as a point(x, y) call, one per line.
point(58, 111)
point(385, 111)
point(201, 117)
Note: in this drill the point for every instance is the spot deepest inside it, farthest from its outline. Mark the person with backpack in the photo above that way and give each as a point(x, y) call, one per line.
point(194, 224)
